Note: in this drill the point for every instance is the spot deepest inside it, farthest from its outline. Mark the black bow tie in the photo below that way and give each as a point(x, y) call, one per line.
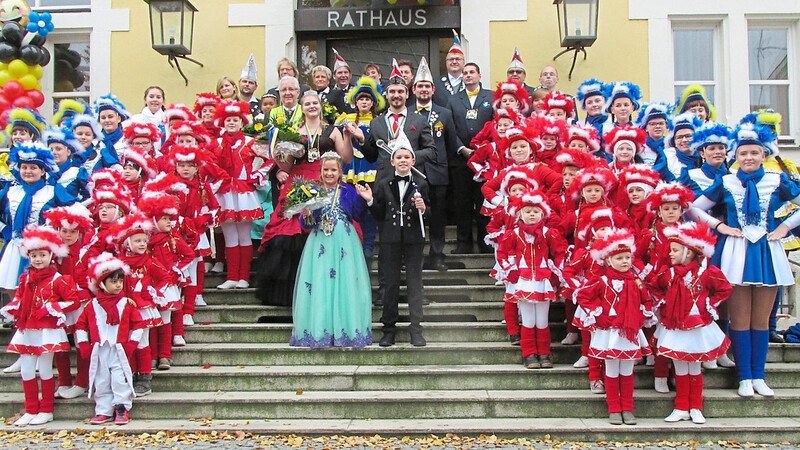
point(406, 178)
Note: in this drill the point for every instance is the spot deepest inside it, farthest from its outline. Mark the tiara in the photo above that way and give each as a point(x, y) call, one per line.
point(331, 155)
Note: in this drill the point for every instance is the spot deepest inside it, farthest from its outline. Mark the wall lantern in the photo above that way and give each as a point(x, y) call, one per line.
point(171, 27)
point(577, 26)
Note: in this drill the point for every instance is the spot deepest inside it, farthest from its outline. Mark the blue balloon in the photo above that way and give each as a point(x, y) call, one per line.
point(33, 16)
point(45, 16)
point(32, 27)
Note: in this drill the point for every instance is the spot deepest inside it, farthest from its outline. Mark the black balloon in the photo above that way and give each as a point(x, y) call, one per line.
point(44, 58)
point(8, 52)
point(38, 40)
point(13, 32)
point(30, 54)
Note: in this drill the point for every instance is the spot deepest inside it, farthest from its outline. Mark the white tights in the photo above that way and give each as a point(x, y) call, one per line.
point(27, 367)
point(237, 233)
point(145, 339)
point(619, 367)
point(686, 368)
point(534, 314)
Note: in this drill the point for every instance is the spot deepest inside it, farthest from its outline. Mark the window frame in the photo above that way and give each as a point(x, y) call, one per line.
point(48, 77)
point(702, 23)
point(36, 6)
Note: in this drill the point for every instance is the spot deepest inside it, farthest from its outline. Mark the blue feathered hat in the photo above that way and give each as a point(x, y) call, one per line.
point(748, 133)
point(68, 108)
point(622, 89)
point(369, 86)
point(589, 88)
point(683, 121)
point(28, 118)
point(33, 153)
point(111, 101)
point(84, 120)
point(652, 111)
point(711, 133)
point(62, 136)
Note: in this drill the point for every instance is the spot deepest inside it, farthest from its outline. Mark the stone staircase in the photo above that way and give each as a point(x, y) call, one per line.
point(238, 373)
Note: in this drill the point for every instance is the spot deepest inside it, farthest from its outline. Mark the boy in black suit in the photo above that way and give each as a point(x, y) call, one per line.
point(399, 204)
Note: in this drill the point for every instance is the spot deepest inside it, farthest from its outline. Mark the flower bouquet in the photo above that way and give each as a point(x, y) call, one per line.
point(304, 194)
point(287, 142)
point(329, 113)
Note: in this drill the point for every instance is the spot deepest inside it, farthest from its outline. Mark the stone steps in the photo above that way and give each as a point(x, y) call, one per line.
point(456, 277)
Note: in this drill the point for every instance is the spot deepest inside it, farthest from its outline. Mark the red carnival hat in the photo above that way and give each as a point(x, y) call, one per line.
point(158, 204)
point(72, 217)
point(696, 236)
point(105, 178)
point(142, 159)
point(617, 241)
point(141, 129)
point(194, 129)
point(639, 175)
point(42, 237)
point(558, 100)
point(127, 227)
point(529, 198)
point(670, 193)
point(518, 175)
point(515, 89)
point(585, 133)
point(599, 176)
point(102, 266)
point(166, 183)
point(505, 113)
point(205, 99)
point(594, 219)
point(114, 195)
point(635, 135)
point(187, 153)
point(232, 109)
point(547, 125)
point(181, 112)
point(517, 133)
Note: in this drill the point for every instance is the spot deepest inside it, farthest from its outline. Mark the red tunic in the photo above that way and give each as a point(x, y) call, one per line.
point(548, 180)
point(527, 253)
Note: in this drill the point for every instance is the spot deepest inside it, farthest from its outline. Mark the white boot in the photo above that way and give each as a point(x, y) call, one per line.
point(73, 392)
point(218, 267)
point(697, 416)
point(243, 284)
point(760, 386)
point(570, 339)
point(582, 362)
point(41, 419)
point(724, 361)
point(709, 364)
point(60, 391)
point(746, 388)
point(13, 368)
point(208, 267)
point(650, 360)
point(229, 284)
point(188, 320)
point(200, 301)
point(25, 419)
point(677, 415)
point(178, 341)
point(661, 385)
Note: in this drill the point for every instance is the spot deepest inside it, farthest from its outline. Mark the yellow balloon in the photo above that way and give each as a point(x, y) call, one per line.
point(36, 71)
point(38, 86)
point(17, 68)
point(28, 82)
point(4, 77)
point(3, 66)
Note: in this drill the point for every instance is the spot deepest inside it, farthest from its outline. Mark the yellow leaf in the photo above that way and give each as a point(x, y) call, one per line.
point(299, 392)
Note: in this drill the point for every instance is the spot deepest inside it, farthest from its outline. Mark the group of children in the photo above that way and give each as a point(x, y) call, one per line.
point(106, 222)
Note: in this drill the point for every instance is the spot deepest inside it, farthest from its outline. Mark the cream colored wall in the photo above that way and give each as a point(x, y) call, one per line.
point(619, 54)
point(222, 49)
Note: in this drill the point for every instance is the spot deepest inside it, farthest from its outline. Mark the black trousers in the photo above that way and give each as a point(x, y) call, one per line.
point(391, 258)
point(438, 220)
point(468, 199)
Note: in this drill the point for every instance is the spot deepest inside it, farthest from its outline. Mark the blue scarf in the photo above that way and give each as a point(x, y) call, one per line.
point(656, 146)
point(712, 172)
point(52, 180)
point(24, 208)
point(690, 161)
point(108, 158)
point(111, 139)
point(597, 122)
point(750, 206)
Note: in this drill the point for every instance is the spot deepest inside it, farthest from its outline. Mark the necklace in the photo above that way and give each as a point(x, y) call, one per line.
point(328, 216)
point(313, 143)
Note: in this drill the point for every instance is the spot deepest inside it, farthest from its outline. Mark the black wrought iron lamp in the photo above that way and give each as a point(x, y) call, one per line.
point(577, 26)
point(171, 27)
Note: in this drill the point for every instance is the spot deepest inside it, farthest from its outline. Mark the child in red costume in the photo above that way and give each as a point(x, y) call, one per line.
point(490, 156)
point(570, 161)
point(688, 292)
point(143, 135)
point(529, 254)
point(614, 305)
point(137, 167)
point(589, 190)
point(204, 108)
point(38, 311)
point(553, 134)
point(636, 182)
point(110, 202)
point(623, 144)
point(559, 106)
point(108, 333)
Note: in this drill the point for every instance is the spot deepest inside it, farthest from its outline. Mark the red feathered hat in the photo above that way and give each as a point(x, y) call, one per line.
point(72, 217)
point(639, 175)
point(205, 99)
point(194, 129)
point(38, 237)
point(114, 195)
point(558, 100)
point(187, 153)
point(515, 89)
point(105, 178)
point(142, 159)
point(670, 193)
point(102, 266)
point(141, 129)
point(158, 204)
point(547, 125)
point(529, 198)
point(613, 243)
point(635, 135)
point(593, 220)
point(518, 175)
point(696, 236)
point(587, 134)
point(516, 133)
point(505, 113)
point(574, 157)
point(127, 227)
point(181, 112)
point(599, 176)
point(166, 183)
point(232, 109)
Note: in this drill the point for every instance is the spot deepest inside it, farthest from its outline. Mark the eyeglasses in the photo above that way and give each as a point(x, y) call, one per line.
point(516, 72)
point(454, 58)
point(685, 137)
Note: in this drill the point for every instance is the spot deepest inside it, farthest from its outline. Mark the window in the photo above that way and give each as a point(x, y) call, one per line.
point(68, 74)
point(694, 50)
point(58, 4)
point(769, 71)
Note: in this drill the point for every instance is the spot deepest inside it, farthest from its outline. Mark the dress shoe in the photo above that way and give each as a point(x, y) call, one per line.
point(546, 362)
point(178, 341)
point(677, 415)
point(73, 392)
point(531, 362)
point(628, 418)
point(13, 368)
point(228, 284)
point(661, 385)
point(242, 284)
point(41, 419)
point(218, 267)
point(746, 388)
point(417, 340)
point(570, 339)
point(188, 320)
point(710, 364)
point(776, 338)
point(582, 362)
point(387, 340)
point(163, 364)
point(615, 418)
point(462, 249)
point(514, 339)
point(697, 416)
point(724, 361)
point(762, 389)
point(200, 301)
point(435, 262)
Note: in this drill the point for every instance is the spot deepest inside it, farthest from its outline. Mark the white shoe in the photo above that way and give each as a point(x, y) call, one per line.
point(41, 419)
point(73, 392)
point(760, 386)
point(678, 415)
point(14, 368)
point(709, 364)
point(498, 283)
point(697, 416)
point(650, 360)
point(229, 284)
point(570, 339)
point(582, 362)
point(724, 361)
point(661, 385)
point(25, 419)
point(178, 341)
point(243, 284)
point(218, 267)
point(746, 388)
point(60, 390)
point(187, 320)
point(208, 267)
point(200, 301)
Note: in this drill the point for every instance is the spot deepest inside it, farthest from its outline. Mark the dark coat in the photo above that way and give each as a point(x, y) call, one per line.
point(386, 210)
point(466, 129)
point(446, 141)
point(418, 133)
point(444, 90)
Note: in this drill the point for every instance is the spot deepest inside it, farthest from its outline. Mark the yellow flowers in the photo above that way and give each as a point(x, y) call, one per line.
point(258, 126)
point(279, 119)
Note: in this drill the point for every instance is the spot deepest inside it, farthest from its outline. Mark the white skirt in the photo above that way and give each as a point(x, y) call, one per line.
point(11, 265)
point(36, 342)
point(534, 291)
point(705, 343)
point(150, 317)
point(610, 344)
point(239, 206)
point(763, 263)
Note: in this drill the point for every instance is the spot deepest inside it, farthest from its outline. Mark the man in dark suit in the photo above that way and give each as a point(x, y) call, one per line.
point(471, 108)
point(342, 77)
point(516, 71)
point(440, 120)
point(450, 84)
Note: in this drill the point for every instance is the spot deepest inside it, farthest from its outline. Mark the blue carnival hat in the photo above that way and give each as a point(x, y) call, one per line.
point(368, 85)
point(28, 118)
point(652, 111)
point(748, 133)
point(684, 121)
point(33, 153)
point(111, 101)
point(622, 89)
point(589, 88)
point(62, 136)
point(84, 120)
point(68, 108)
point(711, 133)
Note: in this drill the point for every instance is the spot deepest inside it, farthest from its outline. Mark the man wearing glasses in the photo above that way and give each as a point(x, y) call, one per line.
point(516, 72)
point(450, 84)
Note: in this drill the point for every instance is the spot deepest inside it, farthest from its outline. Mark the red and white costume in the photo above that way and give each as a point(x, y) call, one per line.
point(637, 176)
point(548, 126)
point(634, 136)
point(491, 153)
